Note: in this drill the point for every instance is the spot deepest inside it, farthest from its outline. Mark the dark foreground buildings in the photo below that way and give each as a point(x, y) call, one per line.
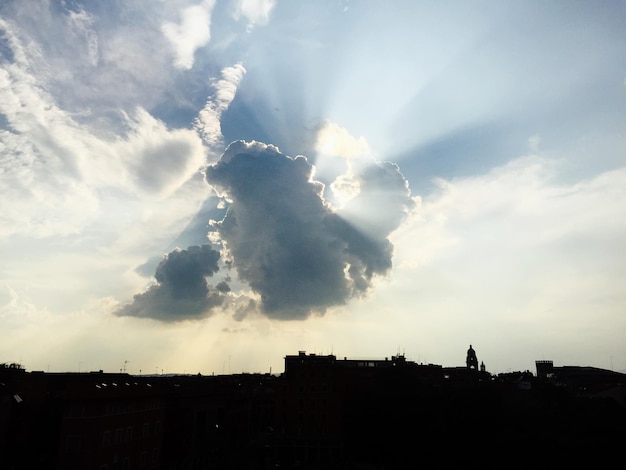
point(322, 412)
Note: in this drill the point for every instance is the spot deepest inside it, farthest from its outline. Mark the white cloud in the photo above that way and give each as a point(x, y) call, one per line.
point(160, 160)
point(193, 32)
point(95, 61)
point(41, 160)
point(52, 167)
point(518, 208)
point(254, 11)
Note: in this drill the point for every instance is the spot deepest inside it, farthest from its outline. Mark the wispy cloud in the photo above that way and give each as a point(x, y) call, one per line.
point(81, 26)
point(208, 121)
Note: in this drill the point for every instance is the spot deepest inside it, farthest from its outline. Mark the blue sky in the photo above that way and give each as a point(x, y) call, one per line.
point(207, 186)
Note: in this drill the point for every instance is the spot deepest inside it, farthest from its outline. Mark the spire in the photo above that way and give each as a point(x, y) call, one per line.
point(471, 361)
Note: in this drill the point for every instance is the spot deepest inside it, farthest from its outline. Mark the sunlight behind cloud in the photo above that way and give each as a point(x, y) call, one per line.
point(335, 141)
point(337, 156)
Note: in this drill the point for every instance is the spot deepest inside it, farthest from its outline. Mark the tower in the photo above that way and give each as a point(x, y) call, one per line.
point(471, 360)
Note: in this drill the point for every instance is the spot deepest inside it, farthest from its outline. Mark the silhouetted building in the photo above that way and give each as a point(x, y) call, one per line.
point(544, 368)
point(471, 361)
point(580, 379)
point(322, 412)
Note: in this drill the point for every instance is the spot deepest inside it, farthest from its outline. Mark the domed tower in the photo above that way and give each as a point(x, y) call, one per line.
point(471, 360)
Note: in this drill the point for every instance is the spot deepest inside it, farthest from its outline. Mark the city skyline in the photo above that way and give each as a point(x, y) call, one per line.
point(208, 185)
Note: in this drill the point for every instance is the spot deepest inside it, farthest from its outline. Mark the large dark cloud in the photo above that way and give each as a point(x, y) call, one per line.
point(285, 242)
point(288, 244)
point(181, 289)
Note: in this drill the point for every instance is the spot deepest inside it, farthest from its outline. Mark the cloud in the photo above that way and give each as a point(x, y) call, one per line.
point(286, 242)
point(334, 140)
point(92, 61)
point(40, 157)
point(159, 160)
point(363, 183)
point(338, 156)
point(55, 168)
point(208, 121)
point(80, 25)
point(515, 240)
point(255, 11)
point(383, 200)
point(181, 291)
point(193, 32)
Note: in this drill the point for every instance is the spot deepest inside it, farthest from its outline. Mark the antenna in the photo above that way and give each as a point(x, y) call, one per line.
point(124, 369)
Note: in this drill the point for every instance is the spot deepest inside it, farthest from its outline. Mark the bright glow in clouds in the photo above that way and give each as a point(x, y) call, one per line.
point(207, 186)
point(334, 143)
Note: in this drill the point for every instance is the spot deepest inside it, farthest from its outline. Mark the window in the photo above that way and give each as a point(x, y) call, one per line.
point(106, 438)
point(75, 411)
point(72, 443)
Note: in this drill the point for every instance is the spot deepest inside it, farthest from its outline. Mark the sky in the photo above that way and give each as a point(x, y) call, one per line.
point(207, 186)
